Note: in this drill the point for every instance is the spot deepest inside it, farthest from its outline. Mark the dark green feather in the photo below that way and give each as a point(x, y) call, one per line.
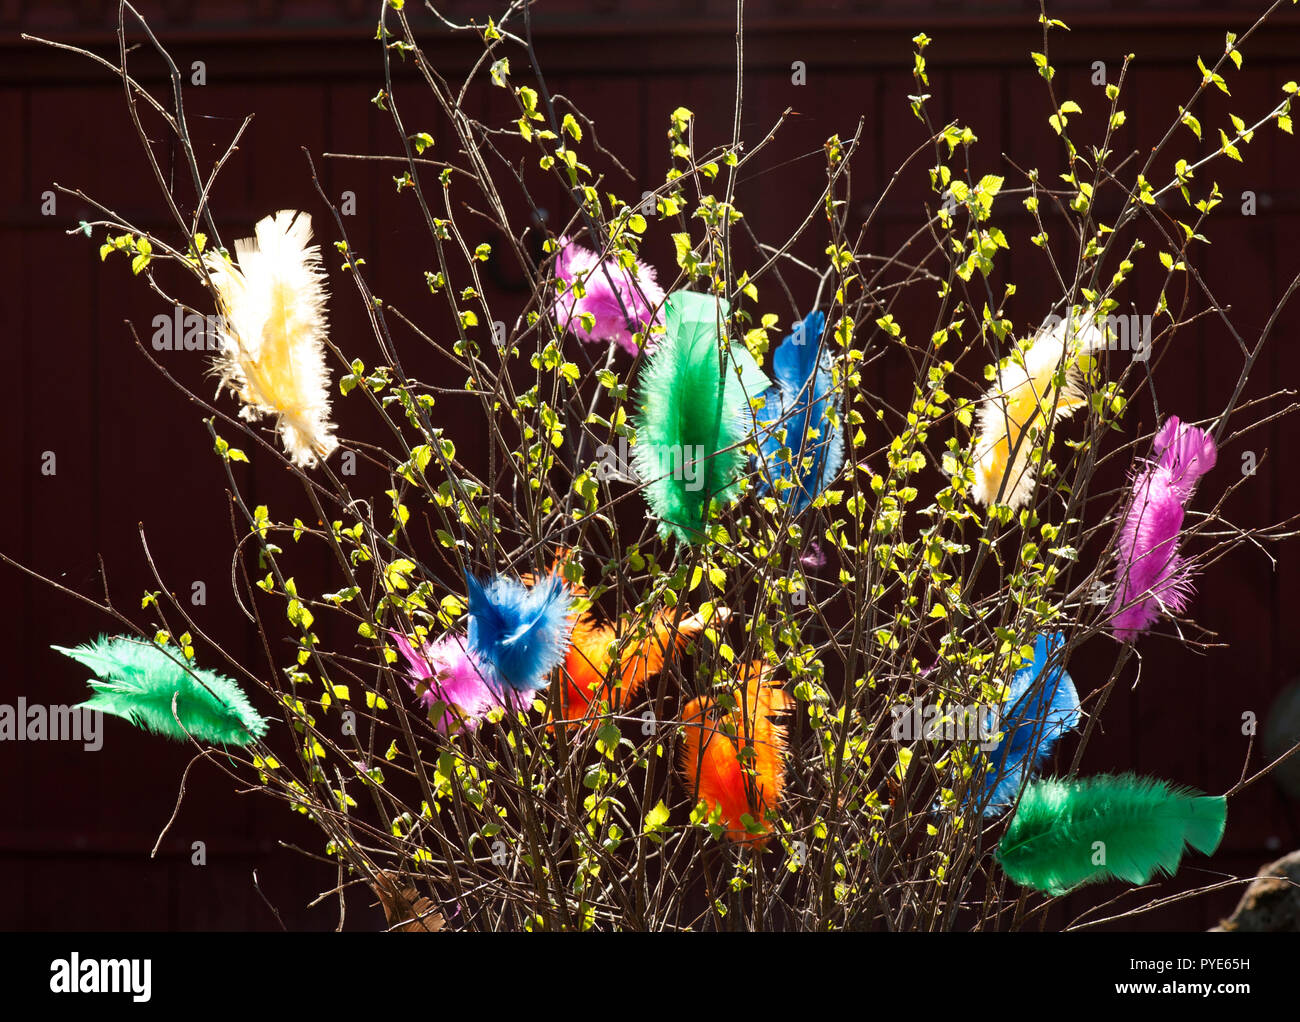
point(137, 680)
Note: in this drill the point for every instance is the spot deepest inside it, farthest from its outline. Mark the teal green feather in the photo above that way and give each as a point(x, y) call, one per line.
point(1071, 832)
point(694, 415)
point(137, 680)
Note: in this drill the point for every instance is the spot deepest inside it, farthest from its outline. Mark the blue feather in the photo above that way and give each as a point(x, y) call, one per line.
point(800, 401)
point(522, 633)
point(1041, 707)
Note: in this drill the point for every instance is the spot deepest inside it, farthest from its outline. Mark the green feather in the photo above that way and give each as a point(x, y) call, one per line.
point(137, 680)
point(694, 415)
point(1071, 832)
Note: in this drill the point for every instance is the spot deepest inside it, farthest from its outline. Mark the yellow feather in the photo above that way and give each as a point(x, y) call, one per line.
point(273, 340)
point(1022, 398)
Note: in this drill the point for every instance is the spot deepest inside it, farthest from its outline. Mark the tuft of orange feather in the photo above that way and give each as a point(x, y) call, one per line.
point(713, 766)
point(591, 674)
point(563, 558)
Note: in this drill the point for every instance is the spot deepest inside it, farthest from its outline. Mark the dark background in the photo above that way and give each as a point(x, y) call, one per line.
point(76, 828)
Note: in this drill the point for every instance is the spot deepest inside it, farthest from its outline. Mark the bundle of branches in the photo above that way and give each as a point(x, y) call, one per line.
point(732, 591)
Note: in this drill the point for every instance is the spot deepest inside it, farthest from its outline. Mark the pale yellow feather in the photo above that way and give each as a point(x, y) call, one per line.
point(1022, 398)
point(273, 300)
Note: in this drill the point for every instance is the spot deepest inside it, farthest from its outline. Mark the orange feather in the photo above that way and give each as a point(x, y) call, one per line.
point(563, 557)
point(591, 675)
point(711, 761)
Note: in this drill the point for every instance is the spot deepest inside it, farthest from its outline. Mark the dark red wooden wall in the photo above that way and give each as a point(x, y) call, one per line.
point(131, 452)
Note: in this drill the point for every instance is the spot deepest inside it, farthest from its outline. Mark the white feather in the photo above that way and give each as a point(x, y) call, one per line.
point(273, 339)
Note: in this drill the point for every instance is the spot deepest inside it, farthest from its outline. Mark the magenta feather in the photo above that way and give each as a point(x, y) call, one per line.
point(1152, 577)
point(620, 302)
point(453, 684)
point(1187, 452)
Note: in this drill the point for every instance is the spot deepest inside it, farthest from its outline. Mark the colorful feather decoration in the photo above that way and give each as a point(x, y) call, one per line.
point(1151, 576)
point(1025, 398)
point(452, 685)
point(1071, 832)
point(711, 761)
point(518, 631)
point(591, 674)
point(272, 300)
point(137, 680)
point(1041, 707)
point(695, 415)
point(621, 302)
point(797, 416)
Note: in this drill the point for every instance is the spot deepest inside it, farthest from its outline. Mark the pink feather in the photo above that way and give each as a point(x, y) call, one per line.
point(1188, 452)
point(621, 302)
point(447, 676)
point(1152, 578)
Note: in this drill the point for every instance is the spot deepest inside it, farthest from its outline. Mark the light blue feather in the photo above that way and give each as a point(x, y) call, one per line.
point(1041, 707)
point(521, 633)
point(800, 402)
